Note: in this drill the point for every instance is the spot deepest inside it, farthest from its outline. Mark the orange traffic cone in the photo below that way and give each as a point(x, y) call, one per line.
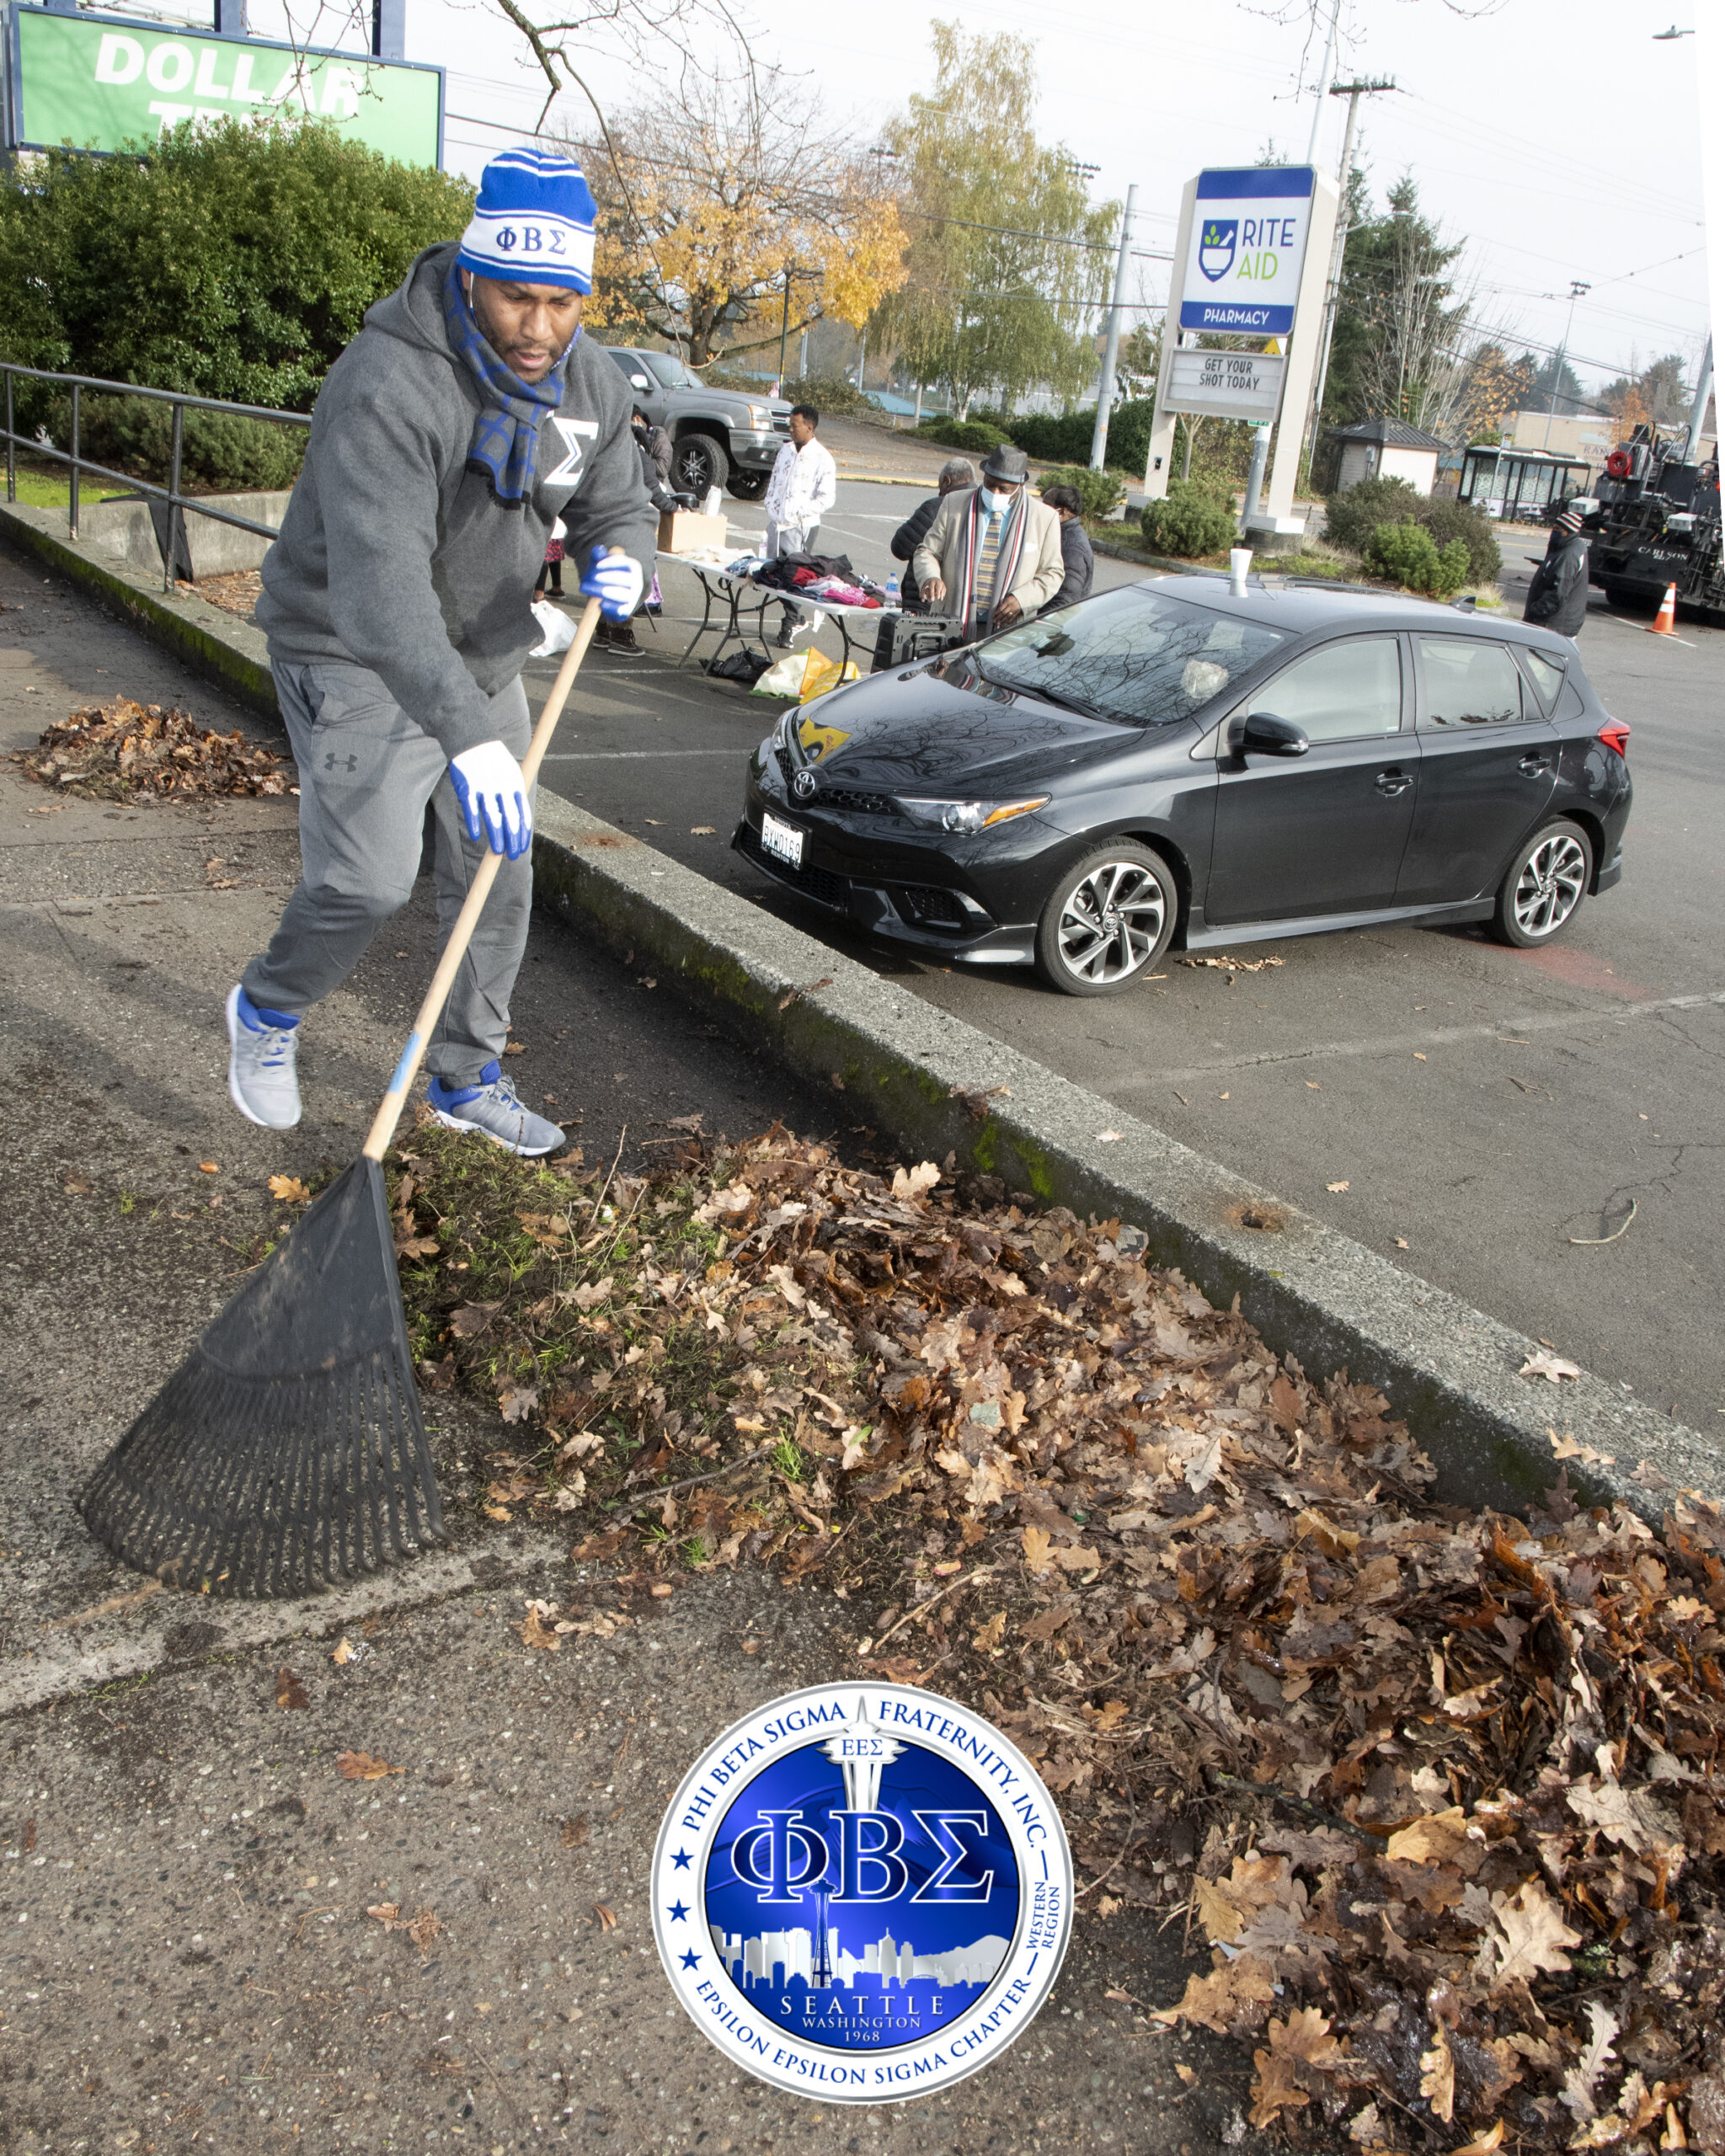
point(1665, 620)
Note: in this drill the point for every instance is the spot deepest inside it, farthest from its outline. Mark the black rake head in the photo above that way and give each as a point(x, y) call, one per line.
point(286, 1453)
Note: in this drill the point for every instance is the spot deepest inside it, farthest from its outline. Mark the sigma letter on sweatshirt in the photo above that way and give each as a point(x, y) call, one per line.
point(861, 1892)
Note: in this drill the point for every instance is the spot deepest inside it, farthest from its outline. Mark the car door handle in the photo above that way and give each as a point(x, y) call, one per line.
point(1532, 766)
point(1391, 782)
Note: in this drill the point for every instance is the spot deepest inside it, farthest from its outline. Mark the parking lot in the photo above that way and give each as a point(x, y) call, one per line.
point(1490, 1114)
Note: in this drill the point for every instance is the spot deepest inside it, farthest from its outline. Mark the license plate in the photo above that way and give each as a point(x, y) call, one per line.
point(784, 840)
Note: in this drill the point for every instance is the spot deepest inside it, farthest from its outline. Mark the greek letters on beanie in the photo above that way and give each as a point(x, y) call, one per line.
point(533, 223)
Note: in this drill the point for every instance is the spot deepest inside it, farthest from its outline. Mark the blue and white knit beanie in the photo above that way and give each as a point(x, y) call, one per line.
point(533, 223)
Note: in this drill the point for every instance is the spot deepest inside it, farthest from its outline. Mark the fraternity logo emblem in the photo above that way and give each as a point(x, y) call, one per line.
point(1216, 247)
point(862, 1891)
point(574, 432)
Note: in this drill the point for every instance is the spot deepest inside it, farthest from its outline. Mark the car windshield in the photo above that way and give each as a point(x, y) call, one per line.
point(672, 372)
point(1134, 657)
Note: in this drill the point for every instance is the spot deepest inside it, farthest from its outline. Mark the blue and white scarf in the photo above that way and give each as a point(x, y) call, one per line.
point(506, 432)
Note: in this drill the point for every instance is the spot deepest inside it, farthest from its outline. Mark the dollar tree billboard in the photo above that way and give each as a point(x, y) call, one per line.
point(104, 83)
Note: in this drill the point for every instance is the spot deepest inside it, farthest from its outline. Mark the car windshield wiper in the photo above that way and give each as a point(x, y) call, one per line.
point(1035, 689)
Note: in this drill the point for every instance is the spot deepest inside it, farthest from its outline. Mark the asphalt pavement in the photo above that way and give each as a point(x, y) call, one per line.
point(1491, 1114)
point(197, 1943)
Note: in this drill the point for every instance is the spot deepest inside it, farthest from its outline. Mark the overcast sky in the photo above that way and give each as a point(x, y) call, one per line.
point(1559, 142)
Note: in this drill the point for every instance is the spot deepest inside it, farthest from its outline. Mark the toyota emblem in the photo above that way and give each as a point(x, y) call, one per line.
point(805, 785)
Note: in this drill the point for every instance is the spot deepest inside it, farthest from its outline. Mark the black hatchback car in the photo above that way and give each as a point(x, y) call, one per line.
point(1177, 762)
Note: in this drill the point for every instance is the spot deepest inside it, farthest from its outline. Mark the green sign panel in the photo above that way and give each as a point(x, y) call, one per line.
point(105, 83)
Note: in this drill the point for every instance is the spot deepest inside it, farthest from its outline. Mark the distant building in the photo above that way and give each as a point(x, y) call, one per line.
point(1587, 438)
point(1384, 448)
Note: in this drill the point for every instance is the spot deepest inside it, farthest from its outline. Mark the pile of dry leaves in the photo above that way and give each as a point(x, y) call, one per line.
point(112, 751)
point(1441, 1790)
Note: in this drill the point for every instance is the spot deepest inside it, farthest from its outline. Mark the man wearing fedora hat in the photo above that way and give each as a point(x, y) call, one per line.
point(992, 555)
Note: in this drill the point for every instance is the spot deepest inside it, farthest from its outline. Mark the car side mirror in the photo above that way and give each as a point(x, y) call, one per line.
point(1264, 734)
point(639, 381)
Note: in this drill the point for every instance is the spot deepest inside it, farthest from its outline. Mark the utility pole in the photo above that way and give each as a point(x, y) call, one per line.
point(1353, 92)
point(1576, 289)
point(1111, 350)
point(1698, 410)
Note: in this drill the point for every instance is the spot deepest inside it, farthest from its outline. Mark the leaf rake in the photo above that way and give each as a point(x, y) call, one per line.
point(287, 1452)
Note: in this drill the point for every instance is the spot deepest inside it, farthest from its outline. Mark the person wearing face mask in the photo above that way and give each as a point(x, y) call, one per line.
point(466, 417)
point(992, 555)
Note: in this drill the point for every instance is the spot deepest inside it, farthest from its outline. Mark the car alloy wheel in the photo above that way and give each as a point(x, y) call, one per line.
point(1107, 923)
point(700, 463)
point(1546, 883)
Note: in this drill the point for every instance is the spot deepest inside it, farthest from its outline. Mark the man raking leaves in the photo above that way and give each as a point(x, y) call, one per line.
point(288, 1450)
point(466, 417)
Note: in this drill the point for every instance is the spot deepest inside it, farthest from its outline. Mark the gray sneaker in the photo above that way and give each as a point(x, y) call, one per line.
point(493, 1108)
point(261, 1081)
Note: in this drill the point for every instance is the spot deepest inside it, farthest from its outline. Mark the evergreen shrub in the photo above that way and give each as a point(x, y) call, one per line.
point(1195, 518)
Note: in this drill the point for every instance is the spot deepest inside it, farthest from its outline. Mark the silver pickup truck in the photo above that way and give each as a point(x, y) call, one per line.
point(724, 437)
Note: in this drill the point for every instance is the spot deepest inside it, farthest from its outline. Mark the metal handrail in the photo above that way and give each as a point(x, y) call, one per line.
point(181, 402)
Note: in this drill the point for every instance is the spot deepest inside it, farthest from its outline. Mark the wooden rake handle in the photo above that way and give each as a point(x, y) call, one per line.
point(431, 1010)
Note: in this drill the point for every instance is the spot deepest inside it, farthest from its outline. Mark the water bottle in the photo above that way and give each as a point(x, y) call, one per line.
point(892, 590)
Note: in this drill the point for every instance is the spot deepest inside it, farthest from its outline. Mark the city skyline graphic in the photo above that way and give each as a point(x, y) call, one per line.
point(861, 1892)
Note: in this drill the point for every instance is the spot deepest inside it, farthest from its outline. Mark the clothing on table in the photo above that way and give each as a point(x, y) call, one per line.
point(397, 554)
point(984, 558)
point(803, 487)
point(1080, 558)
point(785, 569)
point(1556, 598)
point(904, 544)
point(367, 771)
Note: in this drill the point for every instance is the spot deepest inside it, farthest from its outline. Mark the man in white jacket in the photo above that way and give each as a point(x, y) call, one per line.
point(804, 487)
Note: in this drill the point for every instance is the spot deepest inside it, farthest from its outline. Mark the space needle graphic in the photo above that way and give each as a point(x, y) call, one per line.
point(859, 1754)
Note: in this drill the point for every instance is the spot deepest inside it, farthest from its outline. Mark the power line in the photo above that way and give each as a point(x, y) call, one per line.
point(929, 217)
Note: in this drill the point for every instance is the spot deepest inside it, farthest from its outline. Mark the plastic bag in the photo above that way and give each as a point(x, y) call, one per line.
point(744, 666)
point(559, 630)
point(786, 677)
point(714, 504)
point(822, 675)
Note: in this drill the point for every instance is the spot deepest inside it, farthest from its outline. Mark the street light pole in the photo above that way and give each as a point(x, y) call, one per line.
point(1576, 289)
point(1318, 109)
point(1111, 349)
point(784, 329)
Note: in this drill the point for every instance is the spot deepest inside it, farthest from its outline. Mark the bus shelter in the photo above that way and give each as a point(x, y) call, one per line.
point(1517, 485)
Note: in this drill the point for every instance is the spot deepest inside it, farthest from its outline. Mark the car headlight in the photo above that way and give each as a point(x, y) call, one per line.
point(761, 418)
point(968, 815)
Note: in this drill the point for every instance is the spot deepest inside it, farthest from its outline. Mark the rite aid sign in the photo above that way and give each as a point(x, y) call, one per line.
point(1230, 385)
point(1247, 251)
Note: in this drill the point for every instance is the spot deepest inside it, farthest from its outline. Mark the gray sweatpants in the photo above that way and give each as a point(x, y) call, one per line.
point(367, 771)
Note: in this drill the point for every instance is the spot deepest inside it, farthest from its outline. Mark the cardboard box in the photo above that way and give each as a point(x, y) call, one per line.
point(681, 531)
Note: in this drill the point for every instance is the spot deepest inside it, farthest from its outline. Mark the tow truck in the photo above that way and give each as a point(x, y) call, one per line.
point(1654, 521)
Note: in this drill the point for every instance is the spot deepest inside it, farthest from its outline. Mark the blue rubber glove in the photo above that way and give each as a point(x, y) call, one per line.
point(494, 799)
point(616, 581)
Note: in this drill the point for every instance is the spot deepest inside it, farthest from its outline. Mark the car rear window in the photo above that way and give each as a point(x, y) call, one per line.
point(1547, 674)
point(1468, 683)
point(1134, 657)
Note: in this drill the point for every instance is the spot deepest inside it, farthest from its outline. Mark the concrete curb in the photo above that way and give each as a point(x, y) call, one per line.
point(941, 1086)
point(75, 1656)
point(935, 1084)
point(215, 645)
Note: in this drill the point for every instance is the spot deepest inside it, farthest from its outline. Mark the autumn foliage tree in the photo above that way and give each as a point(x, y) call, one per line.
point(714, 195)
point(1008, 258)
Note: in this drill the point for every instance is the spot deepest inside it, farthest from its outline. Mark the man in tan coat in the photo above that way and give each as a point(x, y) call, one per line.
point(992, 555)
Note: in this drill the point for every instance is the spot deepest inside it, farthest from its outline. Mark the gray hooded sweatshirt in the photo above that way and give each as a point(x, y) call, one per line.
point(395, 557)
